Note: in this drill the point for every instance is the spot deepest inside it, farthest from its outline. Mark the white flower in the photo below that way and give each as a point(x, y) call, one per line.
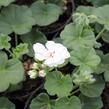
point(53, 54)
point(32, 74)
point(42, 73)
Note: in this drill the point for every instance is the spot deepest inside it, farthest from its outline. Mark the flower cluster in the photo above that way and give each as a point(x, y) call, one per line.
point(50, 55)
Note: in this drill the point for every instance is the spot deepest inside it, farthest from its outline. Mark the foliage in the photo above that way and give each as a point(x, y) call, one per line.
point(45, 14)
point(4, 41)
point(5, 2)
point(11, 71)
point(42, 101)
point(20, 50)
point(91, 103)
point(6, 104)
point(55, 82)
point(98, 3)
point(80, 45)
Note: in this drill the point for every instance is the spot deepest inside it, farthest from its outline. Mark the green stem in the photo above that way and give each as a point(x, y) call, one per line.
point(99, 35)
point(76, 70)
point(10, 52)
point(75, 87)
point(75, 91)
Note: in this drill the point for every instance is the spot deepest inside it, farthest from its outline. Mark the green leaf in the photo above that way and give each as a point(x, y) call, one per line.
point(103, 67)
point(5, 2)
point(68, 103)
point(16, 19)
point(58, 2)
point(102, 16)
point(93, 90)
point(98, 3)
point(86, 58)
point(6, 104)
point(73, 37)
point(42, 101)
point(56, 82)
point(4, 41)
point(105, 36)
point(91, 103)
point(88, 10)
point(45, 14)
point(105, 62)
point(3, 59)
point(20, 50)
point(11, 72)
point(33, 37)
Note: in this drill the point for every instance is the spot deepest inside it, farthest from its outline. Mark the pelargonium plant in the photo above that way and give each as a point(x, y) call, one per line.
point(72, 64)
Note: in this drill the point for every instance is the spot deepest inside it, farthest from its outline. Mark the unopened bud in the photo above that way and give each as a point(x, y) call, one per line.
point(42, 73)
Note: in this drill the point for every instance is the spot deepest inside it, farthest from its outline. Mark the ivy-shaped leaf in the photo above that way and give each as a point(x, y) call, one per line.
point(73, 37)
point(5, 2)
point(93, 90)
point(102, 16)
point(20, 50)
point(6, 104)
point(16, 19)
point(4, 41)
point(11, 72)
point(45, 14)
point(68, 103)
point(56, 82)
point(91, 103)
point(42, 101)
point(33, 37)
point(86, 58)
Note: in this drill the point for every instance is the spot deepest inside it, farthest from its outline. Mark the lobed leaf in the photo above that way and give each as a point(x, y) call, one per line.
point(68, 103)
point(73, 36)
point(91, 103)
point(16, 19)
point(93, 90)
point(56, 83)
point(42, 101)
point(45, 14)
point(11, 72)
point(86, 58)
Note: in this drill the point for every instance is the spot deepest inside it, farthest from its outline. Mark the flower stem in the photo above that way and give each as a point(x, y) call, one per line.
point(75, 87)
point(99, 35)
point(77, 90)
point(11, 54)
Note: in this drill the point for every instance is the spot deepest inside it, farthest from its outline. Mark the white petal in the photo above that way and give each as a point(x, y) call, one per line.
point(53, 62)
point(62, 51)
point(50, 45)
point(40, 51)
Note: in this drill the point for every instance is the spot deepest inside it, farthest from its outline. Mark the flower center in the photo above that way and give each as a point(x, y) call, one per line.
point(51, 54)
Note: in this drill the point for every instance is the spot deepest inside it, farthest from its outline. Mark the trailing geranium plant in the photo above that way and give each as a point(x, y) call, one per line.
point(78, 45)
